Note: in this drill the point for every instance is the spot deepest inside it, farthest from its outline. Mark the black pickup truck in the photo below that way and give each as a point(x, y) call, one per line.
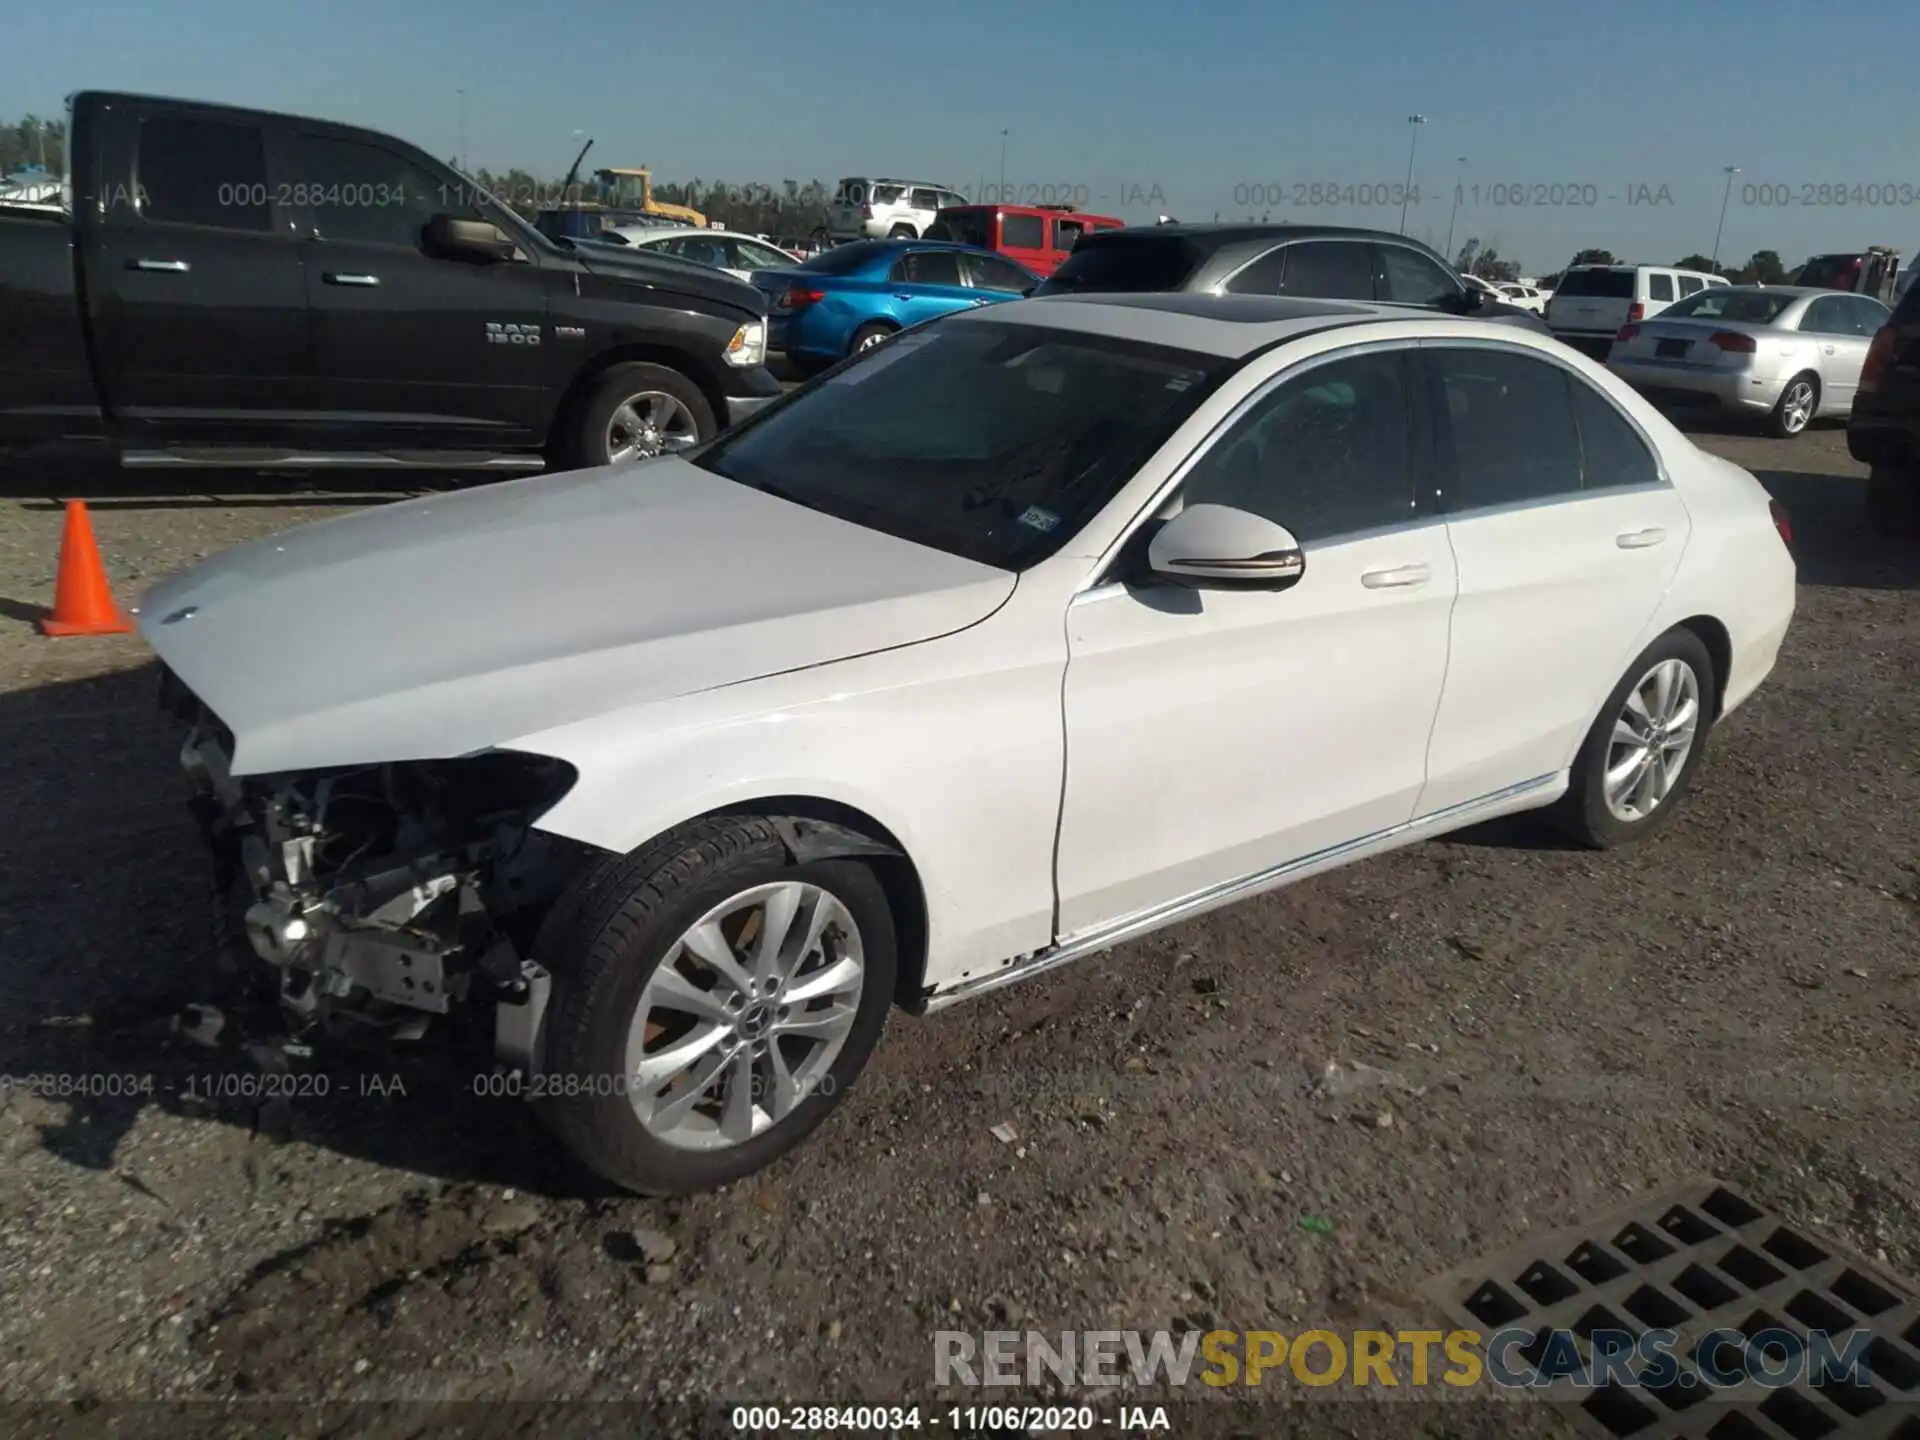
point(240, 287)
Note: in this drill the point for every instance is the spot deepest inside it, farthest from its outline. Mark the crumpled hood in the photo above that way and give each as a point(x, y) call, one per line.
point(443, 625)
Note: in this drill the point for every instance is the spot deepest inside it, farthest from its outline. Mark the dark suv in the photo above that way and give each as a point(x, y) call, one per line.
point(1884, 428)
point(1323, 262)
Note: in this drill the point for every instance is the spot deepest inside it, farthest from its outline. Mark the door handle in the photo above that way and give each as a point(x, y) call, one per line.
point(335, 278)
point(903, 297)
point(1827, 348)
point(1640, 539)
point(1401, 575)
point(171, 267)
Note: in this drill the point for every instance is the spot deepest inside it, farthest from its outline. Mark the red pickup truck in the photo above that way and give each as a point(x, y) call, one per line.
point(1039, 237)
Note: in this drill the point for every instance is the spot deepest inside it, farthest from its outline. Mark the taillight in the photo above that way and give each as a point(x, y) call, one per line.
point(1627, 332)
point(798, 297)
point(1780, 521)
point(866, 212)
point(1735, 342)
point(1879, 355)
point(1636, 311)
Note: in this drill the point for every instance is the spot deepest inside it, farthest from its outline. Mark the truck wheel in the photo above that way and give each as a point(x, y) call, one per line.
point(903, 231)
point(636, 411)
point(1892, 494)
point(712, 1002)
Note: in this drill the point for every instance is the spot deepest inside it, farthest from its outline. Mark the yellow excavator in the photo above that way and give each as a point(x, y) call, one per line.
point(621, 197)
point(631, 192)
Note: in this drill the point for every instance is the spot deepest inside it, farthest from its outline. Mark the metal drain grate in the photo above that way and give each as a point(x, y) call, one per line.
point(1697, 1260)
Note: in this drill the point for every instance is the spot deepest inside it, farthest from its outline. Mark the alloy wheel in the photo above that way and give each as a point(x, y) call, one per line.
point(744, 1018)
point(1652, 738)
point(648, 424)
point(1796, 407)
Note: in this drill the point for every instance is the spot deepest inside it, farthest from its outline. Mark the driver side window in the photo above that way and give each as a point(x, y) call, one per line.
point(371, 195)
point(1329, 453)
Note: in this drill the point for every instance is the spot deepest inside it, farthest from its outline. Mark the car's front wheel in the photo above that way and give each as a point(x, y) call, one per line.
point(868, 336)
point(712, 1002)
point(1640, 756)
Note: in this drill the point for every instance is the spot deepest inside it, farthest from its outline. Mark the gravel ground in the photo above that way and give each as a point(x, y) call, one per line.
point(1737, 997)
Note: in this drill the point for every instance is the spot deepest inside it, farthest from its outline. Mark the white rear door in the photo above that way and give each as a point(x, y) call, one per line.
point(1566, 534)
point(1215, 734)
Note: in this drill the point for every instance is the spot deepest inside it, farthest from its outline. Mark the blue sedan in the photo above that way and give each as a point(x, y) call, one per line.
point(854, 296)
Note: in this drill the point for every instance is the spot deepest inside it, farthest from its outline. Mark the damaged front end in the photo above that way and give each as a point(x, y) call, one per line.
point(384, 896)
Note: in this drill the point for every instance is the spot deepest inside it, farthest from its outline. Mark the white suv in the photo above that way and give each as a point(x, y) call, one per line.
point(1592, 302)
point(886, 209)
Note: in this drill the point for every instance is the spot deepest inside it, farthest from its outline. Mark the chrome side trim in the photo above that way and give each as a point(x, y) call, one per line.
point(1131, 927)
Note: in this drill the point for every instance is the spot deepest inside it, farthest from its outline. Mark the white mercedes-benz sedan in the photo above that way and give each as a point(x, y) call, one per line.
point(1028, 632)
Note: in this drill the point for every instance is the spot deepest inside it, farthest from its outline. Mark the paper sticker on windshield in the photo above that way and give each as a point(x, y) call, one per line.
point(883, 355)
point(1039, 519)
point(1178, 383)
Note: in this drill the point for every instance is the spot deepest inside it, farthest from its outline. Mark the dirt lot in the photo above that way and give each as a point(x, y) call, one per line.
point(1738, 997)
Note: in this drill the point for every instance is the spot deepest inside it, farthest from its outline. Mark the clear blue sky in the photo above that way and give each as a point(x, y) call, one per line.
point(1198, 100)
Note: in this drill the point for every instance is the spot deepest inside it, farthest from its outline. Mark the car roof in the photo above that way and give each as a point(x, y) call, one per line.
point(1218, 235)
point(1229, 326)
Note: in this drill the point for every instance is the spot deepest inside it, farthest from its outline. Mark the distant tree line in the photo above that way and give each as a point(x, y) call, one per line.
point(796, 208)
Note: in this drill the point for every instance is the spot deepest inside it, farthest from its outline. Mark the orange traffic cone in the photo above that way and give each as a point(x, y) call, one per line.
point(82, 599)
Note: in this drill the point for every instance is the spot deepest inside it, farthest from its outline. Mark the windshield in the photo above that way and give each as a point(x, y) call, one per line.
point(969, 227)
point(1137, 263)
point(845, 259)
point(1752, 307)
point(993, 441)
point(1606, 284)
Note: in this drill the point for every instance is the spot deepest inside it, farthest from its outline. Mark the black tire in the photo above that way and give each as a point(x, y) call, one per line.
point(903, 231)
point(583, 446)
point(1582, 813)
point(604, 940)
point(1893, 501)
point(868, 336)
point(1777, 424)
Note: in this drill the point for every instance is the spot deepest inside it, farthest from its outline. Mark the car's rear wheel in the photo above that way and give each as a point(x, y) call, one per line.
point(868, 336)
point(637, 411)
point(1639, 758)
point(712, 1003)
point(1799, 402)
point(1893, 501)
point(903, 231)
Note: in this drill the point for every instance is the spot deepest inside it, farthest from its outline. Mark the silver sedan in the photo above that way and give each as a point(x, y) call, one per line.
point(1779, 353)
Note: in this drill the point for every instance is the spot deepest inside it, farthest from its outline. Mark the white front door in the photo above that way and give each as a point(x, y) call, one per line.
point(1214, 734)
point(1566, 536)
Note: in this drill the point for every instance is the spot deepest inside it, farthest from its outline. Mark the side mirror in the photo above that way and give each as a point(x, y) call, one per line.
point(1217, 546)
point(478, 241)
point(1028, 291)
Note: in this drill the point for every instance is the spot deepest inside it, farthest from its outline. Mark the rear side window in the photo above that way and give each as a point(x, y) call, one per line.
point(889, 194)
point(1329, 270)
point(1660, 287)
point(203, 172)
point(1600, 284)
point(1067, 233)
point(1612, 453)
point(1515, 440)
point(1023, 232)
point(1124, 266)
point(1410, 278)
point(929, 267)
point(1691, 285)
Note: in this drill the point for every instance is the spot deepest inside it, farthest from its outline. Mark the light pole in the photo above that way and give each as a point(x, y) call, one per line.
point(1002, 197)
point(1457, 179)
point(1732, 170)
point(462, 94)
point(1416, 121)
point(43, 144)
